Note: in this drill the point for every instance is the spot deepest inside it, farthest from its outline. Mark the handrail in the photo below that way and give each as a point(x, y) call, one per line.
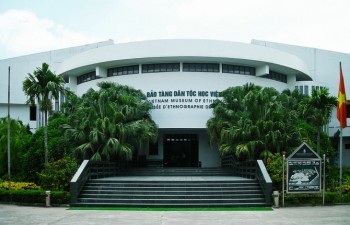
point(253, 170)
point(78, 180)
point(264, 180)
point(91, 170)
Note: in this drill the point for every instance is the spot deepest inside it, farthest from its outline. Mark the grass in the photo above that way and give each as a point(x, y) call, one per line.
point(173, 209)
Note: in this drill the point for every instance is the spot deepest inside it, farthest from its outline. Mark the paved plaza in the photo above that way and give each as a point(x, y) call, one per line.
point(319, 215)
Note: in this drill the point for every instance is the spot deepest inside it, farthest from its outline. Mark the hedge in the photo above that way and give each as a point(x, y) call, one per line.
point(316, 199)
point(34, 196)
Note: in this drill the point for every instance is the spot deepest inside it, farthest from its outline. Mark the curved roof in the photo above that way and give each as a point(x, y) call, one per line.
point(189, 50)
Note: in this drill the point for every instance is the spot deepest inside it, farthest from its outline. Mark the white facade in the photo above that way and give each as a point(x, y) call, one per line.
point(180, 97)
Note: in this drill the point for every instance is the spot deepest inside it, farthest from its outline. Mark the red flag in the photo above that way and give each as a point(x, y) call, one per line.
point(341, 108)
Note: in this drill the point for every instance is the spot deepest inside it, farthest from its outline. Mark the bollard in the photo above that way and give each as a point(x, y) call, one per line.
point(48, 198)
point(276, 196)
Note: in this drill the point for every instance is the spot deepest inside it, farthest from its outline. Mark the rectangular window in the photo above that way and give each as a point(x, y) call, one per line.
point(192, 67)
point(176, 67)
point(201, 67)
point(225, 68)
point(348, 110)
point(130, 70)
point(136, 69)
point(119, 71)
point(160, 67)
point(122, 70)
point(306, 90)
point(32, 113)
point(156, 68)
point(163, 68)
point(86, 77)
point(244, 70)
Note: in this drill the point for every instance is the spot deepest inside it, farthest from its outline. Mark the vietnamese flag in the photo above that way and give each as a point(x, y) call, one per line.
point(341, 107)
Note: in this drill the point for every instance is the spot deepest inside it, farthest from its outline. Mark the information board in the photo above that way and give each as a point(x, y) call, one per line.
point(303, 171)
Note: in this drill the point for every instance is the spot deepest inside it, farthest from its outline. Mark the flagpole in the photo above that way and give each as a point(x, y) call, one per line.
point(341, 161)
point(341, 115)
point(8, 133)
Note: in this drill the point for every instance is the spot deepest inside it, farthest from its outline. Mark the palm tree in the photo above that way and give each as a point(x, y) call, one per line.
point(252, 121)
point(317, 110)
point(40, 87)
point(110, 123)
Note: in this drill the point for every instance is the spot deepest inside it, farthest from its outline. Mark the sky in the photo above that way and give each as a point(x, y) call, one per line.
point(33, 26)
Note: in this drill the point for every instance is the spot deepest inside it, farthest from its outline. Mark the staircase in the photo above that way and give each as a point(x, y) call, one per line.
point(172, 187)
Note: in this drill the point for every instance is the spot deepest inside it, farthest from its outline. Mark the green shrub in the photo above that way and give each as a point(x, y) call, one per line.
point(19, 186)
point(58, 174)
point(316, 199)
point(274, 167)
point(34, 196)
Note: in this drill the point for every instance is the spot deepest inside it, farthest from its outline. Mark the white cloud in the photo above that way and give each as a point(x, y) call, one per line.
point(22, 32)
point(312, 23)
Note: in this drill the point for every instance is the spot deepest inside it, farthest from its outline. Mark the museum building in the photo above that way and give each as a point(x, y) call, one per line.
point(181, 78)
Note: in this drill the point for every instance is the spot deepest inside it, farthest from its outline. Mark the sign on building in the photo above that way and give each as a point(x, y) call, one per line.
point(303, 171)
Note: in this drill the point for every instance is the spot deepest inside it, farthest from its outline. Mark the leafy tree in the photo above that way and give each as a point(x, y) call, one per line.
point(19, 133)
point(32, 156)
point(40, 87)
point(252, 121)
point(309, 133)
point(109, 123)
point(317, 110)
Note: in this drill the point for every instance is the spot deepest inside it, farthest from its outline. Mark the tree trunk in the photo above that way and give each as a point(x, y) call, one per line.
point(45, 140)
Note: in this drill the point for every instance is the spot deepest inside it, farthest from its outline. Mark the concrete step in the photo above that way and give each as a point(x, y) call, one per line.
point(174, 205)
point(178, 172)
point(175, 192)
point(171, 196)
point(172, 187)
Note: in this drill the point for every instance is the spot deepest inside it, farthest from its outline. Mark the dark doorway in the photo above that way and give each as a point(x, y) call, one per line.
point(181, 150)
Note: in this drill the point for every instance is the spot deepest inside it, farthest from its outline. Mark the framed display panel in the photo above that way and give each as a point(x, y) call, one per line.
point(304, 171)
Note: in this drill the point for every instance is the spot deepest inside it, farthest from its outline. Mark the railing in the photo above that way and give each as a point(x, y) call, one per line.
point(253, 170)
point(90, 170)
point(246, 169)
point(228, 161)
point(265, 181)
point(78, 180)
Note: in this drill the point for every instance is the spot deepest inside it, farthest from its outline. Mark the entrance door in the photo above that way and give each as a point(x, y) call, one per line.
point(180, 150)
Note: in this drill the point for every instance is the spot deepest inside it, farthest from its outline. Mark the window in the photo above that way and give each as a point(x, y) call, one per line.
point(160, 67)
point(348, 110)
point(66, 79)
point(32, 113)
point(279, 77)
point(201, 67)
point(244, 70)
point(87, 77)
point(123, 70)
point(306, 90)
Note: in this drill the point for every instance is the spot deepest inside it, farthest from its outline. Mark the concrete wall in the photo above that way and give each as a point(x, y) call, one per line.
point(19, 69)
